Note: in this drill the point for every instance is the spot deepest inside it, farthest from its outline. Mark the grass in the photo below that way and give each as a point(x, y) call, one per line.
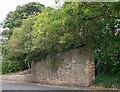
point(108, 80)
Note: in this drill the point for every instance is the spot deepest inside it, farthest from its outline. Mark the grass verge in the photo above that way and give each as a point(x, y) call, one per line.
point(108, 80)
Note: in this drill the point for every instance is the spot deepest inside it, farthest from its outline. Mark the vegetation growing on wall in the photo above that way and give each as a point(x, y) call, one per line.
point(95, 25)
point(53, 63)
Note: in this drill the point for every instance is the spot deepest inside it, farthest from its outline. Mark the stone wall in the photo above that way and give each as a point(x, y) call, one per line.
point(75, 67)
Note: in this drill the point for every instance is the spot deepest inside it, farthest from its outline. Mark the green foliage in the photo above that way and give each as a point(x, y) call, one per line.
point(18, 27)
point(14, 19)
point(20, 43)
point(108, 80)
point(12, 66)
point(52, 31)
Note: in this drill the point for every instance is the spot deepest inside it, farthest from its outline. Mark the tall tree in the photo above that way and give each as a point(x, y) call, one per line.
point(15, 18)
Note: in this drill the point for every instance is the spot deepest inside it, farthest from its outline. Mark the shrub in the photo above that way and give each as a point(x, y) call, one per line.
point(108, 80)
point(12, 66)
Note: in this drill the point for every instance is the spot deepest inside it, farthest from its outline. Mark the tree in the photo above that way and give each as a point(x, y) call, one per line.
point(15, 47)
point(15, 18)
point(95, 25)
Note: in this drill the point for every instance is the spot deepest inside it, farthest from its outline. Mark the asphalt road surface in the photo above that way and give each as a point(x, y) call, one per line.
point(9, 85)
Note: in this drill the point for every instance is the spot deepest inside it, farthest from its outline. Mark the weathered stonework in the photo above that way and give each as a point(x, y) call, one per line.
point(76, 68)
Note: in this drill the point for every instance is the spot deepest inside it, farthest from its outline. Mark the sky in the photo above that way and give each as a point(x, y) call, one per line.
point(10, 5)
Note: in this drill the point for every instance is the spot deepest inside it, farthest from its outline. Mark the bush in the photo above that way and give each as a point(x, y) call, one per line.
point(108, 80)
point(12, 66)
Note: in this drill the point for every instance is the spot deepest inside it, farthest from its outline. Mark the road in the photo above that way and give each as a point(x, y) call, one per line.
point(9, 85)
point(29, 87)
